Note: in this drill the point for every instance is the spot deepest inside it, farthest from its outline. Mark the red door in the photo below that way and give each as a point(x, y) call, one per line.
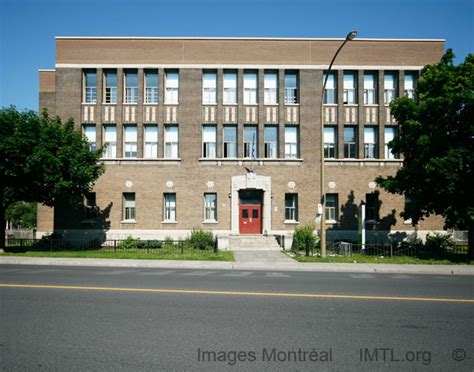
point(250, 219)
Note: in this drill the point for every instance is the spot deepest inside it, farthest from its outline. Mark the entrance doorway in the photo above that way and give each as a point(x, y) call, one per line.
point(250, 211)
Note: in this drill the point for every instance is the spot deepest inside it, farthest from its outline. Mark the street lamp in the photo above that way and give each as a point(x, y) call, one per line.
point(322, 241)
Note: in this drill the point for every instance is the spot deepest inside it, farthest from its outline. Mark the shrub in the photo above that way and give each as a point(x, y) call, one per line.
point(130, 243)
point(169, 243)
point(438, 242)
point(201, 239)
point(302, 235)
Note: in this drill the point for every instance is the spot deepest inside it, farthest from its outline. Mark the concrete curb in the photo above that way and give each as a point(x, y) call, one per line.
point(260, 266)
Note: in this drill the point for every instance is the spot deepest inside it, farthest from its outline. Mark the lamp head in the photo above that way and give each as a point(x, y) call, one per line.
point(351, 35)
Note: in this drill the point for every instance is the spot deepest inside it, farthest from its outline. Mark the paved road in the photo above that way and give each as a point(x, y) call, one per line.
point(195, 320)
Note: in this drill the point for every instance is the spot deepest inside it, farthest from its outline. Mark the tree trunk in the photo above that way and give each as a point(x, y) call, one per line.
point(2, 227)
point(470, 239)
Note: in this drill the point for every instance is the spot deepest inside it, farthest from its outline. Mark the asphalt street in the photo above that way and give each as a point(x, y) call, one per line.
point(78, 318)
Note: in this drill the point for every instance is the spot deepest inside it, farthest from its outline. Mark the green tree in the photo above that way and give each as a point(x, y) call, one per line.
point(44, 161)
point(22, 214)
point(437, 142)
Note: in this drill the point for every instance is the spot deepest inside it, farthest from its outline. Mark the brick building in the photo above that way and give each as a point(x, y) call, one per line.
point(224, 133)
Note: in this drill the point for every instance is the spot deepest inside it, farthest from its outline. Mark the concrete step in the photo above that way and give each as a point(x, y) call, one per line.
point(253, 243)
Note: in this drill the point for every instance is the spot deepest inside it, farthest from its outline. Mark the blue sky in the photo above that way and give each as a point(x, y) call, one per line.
point(28, 27)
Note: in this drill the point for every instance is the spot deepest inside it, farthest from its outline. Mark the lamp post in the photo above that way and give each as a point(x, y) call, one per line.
point(350, 36)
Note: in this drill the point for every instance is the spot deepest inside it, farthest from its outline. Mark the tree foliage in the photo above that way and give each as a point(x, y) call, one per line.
point(22, 214)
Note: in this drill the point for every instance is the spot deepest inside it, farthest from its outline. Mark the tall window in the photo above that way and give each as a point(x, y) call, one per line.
point(291, 87)
point(271, 141)
point(209, 87)
point(130, 141)
point(171, 87)
point(90, 87)
point(210, 207)
point(230, 141)
point(150, 141)
point(350, 88)
point(230, 88)
point(330, 96)
point(370, 88)
point(131, 86)
point(389, 135)
point(291, 207)
point(410, 78)
point(250, 88)
point(370, 143)
point(270, 87)
point(250, 142)
point(129, 211)
point(291, 142)
point(390, 87)
point(209, 141)
point(350, 142)
point(329, 142)
point(169, 207)
point(90, 134)
point(110, 85)
point(372, 207)
point(90, 210)
point(151, 86)
point(110, 141)
point(331, 207)
point(171, 141)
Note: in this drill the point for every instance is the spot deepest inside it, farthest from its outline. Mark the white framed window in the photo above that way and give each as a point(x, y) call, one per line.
point(110, 141)
point(130, 141)
point(250, 88)
point(350, 88)
point(129, 209)
point(230, 88)
point(329, 142)
point(370, 143)
point(230, 141)
point(350, 142)
point(389, 135)
point(150, 141)
point(171, 141)
point(169, 207)
point(370, 88)
point(410, 81)
point(210, 207)
point(110, 87)
point(250, 142)
point(89, 132)
point(331, 208)
point(271, 141)
point(270, 86)
point(330, 96)
point(90, 86)
point(291, 207)
point(130, 80)
point(209, 139)
point(209, 87)
point(291, 87)
point(171, 87)
point(291, 142)
point(390, 87)
point(151, 86)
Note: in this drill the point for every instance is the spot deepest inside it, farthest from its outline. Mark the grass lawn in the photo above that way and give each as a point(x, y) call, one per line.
point(192, 255)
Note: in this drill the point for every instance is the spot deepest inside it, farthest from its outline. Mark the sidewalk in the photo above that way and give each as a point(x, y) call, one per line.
point(257, 264)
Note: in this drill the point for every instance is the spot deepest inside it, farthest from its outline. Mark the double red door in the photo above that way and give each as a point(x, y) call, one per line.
point(250, 217)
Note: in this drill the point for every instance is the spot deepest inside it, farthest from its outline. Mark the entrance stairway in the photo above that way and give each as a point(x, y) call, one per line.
point(253, 243)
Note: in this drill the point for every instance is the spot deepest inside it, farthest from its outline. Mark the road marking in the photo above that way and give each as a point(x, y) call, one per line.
point(276, 275)
point(239, 273)
point(237, 293)
point(361, 276)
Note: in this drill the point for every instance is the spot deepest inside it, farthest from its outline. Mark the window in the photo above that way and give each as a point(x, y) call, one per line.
point(90, 87)
point(129, 206)
point(150, 139)
point(370, 88)
point(90, 134)
point(291, 87)
point(110, 84)
point(330, 96)
point(350, 142)
point(370, 143)
point(350, 86)
point(270, 83)
point(209, 141)
point(90, 207)
point(169, 207)
point(390, 87)
point(209, 87)
point(291, 207)
point(230, 88)
point(291, 143)
point(271, 141)
point(131, 86)
point(410, 84)
point(329, 142)
point(230, 141)
point(110, 141)
point(151, 86)
point(171, 87)
point(389, 135)
point(331, 207)
point(250, 142)
point(372, 207)
point(407, 206)
point(171, 141)
point(130, 141)
point(250, 88)
point(210, 207)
